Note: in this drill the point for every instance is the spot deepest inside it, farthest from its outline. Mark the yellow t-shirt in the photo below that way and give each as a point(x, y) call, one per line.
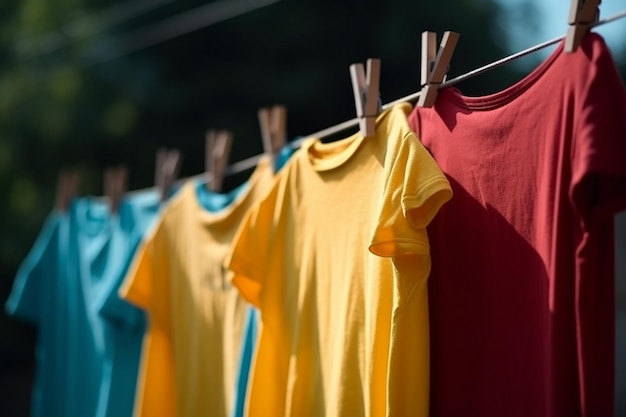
point(195, 317)
point(336, 257)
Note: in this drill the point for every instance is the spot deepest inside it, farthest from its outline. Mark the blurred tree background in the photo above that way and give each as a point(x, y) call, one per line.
point(89, 84)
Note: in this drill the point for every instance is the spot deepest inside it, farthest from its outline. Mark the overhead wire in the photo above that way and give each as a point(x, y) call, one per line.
point(176, 26)
point(86, 25)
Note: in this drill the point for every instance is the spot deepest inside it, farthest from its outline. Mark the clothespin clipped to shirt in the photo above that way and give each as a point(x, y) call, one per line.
point(167, 167)
point(218, 144)
point(366, 92)
point(582, 14)
point(115, 181)
point(67, 184)
point(435, 64)
point(273, 123)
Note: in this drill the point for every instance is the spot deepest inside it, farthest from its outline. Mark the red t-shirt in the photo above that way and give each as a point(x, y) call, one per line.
point(522, 283)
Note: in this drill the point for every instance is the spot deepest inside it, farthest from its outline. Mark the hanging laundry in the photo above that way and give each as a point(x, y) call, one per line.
point(251, 323)
point(89, 341)
point(344, 329)
point(521, 288)
point(192, 350)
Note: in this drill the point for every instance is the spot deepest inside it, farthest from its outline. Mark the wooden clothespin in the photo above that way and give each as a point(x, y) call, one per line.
point(67, 184)
point(218, 144)
point(161, 154)
point(115, 180)
point(582, 14)
point(273, 123)
point(366, 92)
point(167, 167)
point(435, 64)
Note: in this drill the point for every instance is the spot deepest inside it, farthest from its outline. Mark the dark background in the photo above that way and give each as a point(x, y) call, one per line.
point(89, 84)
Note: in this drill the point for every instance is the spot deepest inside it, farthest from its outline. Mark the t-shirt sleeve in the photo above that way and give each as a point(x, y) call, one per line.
point(25, 299)
point(146, 284)
point(248, 257)
point(599, 138)
point(415, 189)
point(597, 191)
point(114, 308)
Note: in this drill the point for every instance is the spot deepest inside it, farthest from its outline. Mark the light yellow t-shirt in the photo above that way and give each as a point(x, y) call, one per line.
point(336, 257)
point(195, 317)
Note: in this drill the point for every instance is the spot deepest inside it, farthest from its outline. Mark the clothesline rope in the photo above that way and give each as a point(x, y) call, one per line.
point(250, 162)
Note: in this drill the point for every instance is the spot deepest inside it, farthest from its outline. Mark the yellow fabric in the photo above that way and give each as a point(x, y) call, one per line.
point(344, 329)
point(195, 317)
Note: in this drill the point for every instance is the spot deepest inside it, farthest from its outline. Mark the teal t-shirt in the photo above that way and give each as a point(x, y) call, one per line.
point(124, 324)
point(89, 340)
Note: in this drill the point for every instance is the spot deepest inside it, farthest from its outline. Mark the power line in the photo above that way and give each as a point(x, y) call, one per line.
point(176, 26)
point(89, 25)
point(86, 25)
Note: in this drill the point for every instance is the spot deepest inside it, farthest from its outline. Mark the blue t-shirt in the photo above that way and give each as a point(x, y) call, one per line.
point(89, 340)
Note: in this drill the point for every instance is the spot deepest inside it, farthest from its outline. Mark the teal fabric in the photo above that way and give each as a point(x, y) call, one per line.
point(124, 324)
point(89, 340)
point(212, 201)
point(250, 335)
point(285, 154)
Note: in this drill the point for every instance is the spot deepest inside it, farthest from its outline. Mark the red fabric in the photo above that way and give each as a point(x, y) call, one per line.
point(522, 283)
